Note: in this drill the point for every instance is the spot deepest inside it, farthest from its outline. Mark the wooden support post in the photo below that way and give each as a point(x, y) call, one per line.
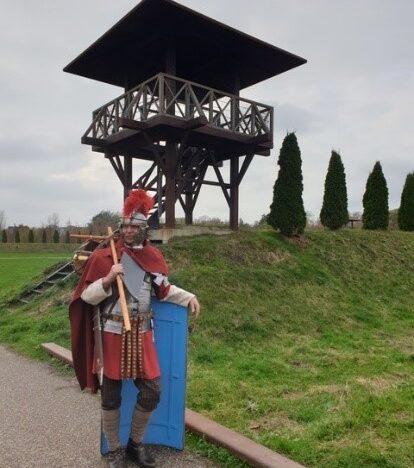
point(170, 183)
point(159, 194)
point(189, 208)
point(127, 175)
point(234, 193)
point(170, 203)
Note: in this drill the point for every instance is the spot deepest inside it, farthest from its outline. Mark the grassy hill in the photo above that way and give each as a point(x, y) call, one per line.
point(305, 347)
point(20, 268)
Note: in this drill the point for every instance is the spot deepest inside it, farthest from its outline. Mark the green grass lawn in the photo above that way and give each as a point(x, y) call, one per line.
point(307, 348)
point(17, 268)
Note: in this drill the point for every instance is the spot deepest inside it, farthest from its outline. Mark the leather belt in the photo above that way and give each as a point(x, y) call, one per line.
point(143, 319)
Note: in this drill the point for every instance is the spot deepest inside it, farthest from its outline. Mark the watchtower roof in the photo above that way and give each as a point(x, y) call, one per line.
point(206, 51)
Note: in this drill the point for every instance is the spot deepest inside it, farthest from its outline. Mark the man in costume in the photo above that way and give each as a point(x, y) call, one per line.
point(104, 353)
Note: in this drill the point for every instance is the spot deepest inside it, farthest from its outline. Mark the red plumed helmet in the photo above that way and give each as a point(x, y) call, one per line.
point(137, 201)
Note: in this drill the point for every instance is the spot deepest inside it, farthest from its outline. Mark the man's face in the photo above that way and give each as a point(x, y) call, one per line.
point(129, 232)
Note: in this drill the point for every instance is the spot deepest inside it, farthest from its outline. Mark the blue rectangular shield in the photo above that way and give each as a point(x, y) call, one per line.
point(166, 426)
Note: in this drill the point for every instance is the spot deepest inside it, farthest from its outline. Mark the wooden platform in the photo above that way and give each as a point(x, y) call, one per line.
point(132, 138)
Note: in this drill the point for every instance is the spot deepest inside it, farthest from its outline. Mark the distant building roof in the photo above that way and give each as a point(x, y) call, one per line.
point(207, 52)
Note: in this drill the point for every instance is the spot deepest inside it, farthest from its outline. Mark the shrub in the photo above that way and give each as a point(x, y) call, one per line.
point(406, 211)
point(375, 200)
point(287, 212)
point(334, 212)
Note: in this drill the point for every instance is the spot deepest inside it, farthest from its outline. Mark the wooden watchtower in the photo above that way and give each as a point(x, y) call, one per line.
point(181, 109)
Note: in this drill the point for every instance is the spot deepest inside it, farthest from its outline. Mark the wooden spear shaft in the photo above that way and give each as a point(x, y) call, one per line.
point(88, 236)
point(120, 284)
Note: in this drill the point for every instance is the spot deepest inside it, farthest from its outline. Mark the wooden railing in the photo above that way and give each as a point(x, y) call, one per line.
point(168, 95)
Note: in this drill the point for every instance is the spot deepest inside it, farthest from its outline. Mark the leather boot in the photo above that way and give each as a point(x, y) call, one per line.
point(116, 458)
point(139, 454)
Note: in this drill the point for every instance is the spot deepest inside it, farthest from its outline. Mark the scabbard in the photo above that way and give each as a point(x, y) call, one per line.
point(98, 347)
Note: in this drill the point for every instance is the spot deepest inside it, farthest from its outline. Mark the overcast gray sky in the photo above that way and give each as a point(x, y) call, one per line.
point(355, 95)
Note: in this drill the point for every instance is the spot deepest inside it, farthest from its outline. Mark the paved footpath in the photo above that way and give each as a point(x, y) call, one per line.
point(46, 421)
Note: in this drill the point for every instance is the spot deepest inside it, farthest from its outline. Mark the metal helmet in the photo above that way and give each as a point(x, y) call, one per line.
point(136, 208)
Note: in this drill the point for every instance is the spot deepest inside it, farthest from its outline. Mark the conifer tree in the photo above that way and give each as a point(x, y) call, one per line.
point(44, 236)
point(4, 236)
point(334, 212)
point(56, 236)
point(375, 200)
point(287, 212)
point(406, 211)
point(17, 236)
point(31, 236)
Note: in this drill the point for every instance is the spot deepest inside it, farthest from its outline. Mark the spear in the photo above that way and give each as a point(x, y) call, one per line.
point(120, 284)
point(90, 237)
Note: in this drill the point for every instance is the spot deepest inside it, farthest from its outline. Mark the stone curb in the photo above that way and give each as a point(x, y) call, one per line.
point(246, 449)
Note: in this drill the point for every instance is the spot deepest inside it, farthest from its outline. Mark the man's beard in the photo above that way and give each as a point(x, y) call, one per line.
point(138, 239)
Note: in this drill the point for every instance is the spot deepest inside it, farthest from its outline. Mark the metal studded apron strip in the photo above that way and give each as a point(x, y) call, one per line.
point(132, 365)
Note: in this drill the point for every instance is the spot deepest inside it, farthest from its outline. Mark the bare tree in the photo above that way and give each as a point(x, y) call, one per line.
point(100, 222)
point(53, 220)
point(2, 219)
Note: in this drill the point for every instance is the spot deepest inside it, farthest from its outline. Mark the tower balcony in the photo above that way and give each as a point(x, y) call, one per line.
point(168, 108)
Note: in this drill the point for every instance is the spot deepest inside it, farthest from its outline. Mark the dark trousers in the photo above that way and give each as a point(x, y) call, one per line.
point(147, 398)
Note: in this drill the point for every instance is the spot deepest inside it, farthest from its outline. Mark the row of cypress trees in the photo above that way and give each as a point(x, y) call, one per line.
point(31, 237)
point(287, 212)
point(334, 213)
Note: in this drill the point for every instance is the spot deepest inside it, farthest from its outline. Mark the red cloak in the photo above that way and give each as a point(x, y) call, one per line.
point(100, 262)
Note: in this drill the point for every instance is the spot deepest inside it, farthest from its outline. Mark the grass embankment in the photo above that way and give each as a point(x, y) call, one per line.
point(19, 269)
point(32, 248)
point(308, 349)
point(24, 328)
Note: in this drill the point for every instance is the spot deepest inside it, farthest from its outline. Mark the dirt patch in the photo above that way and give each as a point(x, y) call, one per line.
point(301, 241)
point(333, 389)
point(180, 263)
point(405, 344)
point(381, 384)
point(64, 298)
point(58, 298)
point(41, 308)
point(402, 416)
point(341, 443)
point(235, 252)
point(372, 440)
point(340, 391)
point(271, 257)
point(274, 423)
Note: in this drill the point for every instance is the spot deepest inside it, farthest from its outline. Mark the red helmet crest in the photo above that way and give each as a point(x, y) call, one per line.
point(137, 201)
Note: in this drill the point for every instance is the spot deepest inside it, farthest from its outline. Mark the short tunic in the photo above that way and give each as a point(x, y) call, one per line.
point(95, 295)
